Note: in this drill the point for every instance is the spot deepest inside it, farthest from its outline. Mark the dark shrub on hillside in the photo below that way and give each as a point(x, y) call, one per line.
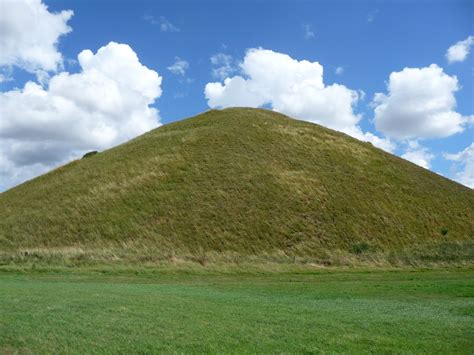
point(444, 231)
point(360, 248)
point(89, 154)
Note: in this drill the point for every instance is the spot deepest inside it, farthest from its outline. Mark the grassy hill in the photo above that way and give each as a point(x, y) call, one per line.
point(239, 185)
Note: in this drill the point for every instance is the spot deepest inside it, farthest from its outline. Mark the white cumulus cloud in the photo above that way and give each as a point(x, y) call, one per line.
point(30, 33)
point(420, 103)
point(222, 66)
point(465, 162)
point(372, 16)
point(106, 103)
point(308, 32)
point(179, 67)
point(459, 51)
point(165, 25)
point(418, 155)
point(293, 87)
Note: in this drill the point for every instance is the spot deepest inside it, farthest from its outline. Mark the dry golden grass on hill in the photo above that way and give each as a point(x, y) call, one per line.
point(239, 186)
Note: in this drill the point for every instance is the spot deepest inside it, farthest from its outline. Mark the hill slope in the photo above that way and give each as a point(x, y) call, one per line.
point(237, 184)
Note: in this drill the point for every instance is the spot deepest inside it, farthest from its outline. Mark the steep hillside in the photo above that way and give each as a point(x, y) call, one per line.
point(233, 185)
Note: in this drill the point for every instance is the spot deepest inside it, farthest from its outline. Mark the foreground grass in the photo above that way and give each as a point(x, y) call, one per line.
point(402, 311)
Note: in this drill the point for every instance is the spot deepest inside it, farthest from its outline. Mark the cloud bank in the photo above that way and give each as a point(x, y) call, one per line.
point(30, 33)
point(106, 103)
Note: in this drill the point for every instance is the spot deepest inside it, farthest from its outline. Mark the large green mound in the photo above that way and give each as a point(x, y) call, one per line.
point(239, 184)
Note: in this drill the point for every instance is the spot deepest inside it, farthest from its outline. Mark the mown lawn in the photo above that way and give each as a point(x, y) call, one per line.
point(401, 311)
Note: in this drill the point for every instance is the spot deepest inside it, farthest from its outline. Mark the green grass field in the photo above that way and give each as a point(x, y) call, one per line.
point(324, 311)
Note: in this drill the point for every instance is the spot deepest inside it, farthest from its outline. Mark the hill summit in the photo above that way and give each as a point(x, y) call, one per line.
point(234, 185)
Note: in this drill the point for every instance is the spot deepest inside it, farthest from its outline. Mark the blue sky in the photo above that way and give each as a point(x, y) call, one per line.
point(366, 40)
